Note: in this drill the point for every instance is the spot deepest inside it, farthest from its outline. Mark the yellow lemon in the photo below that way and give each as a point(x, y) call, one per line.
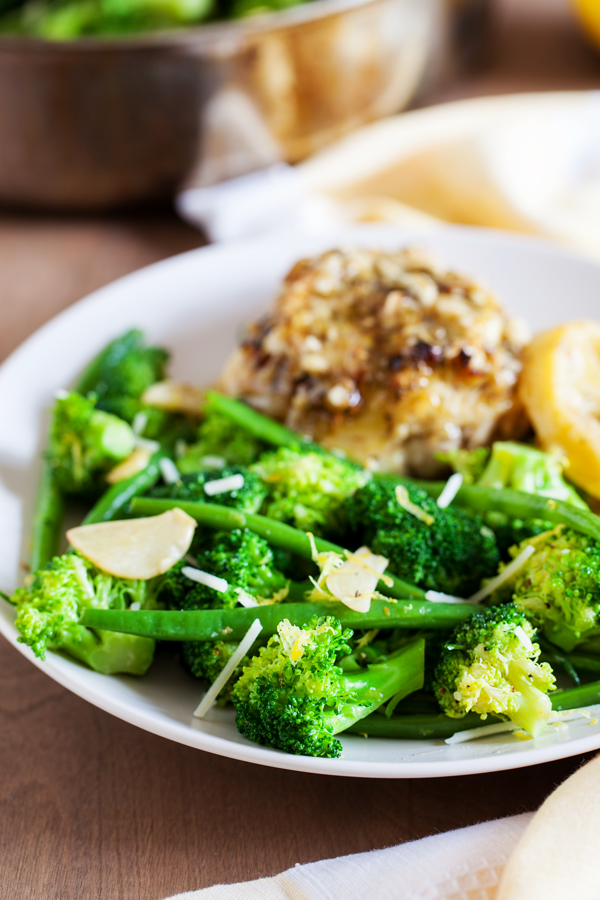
point(589, 15)
point(560, 388)
point(136, 548)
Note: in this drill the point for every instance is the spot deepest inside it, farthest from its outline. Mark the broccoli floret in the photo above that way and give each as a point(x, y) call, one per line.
point(444, 550)
point(308, 488)
point(248, 498)
point(242, 558)
point(558, 588)
point(220, 438)
point(48, 613)
point(522, 468)
point(85, 443)
point(489, 665)
point(119, 376)
point(294, 696)
point(468, 463)
point(206, 660)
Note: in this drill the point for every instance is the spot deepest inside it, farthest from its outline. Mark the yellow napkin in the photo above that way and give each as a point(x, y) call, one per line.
point(528, 163)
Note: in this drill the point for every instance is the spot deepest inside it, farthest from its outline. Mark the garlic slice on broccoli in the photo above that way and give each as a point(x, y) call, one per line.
point(351, 580)
point(136, 548)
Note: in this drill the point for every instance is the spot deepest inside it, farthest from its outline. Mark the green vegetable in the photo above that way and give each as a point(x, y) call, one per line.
point(219, 437)
point(518, 505)
point(443, 550)
point(49, 610)
point(121, 373)
point(232, 624)
point(558, 587)
point(242, 558)
point(47, 518)
point(206, 660)
point(307, 488)
point(113, 502)
point(490, 665)
point(522, 468)
point(276, 533)
point(293, 695)
point(248, 498)
point(85, 443)
point(253, 422)
point(424, 725)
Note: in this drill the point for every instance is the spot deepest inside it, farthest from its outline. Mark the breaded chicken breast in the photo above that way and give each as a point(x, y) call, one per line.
point(387, 356)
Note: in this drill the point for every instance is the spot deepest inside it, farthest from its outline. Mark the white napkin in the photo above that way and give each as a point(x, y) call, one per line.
point(459, 865)
point(528, 163)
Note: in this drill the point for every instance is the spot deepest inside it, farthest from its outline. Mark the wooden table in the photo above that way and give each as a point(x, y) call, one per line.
point(94, 808)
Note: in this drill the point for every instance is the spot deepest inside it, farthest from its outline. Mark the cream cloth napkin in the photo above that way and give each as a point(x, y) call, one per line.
point(528, 163)
point(459, 865)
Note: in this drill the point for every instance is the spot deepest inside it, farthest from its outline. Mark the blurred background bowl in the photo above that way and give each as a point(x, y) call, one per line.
point(98, 124)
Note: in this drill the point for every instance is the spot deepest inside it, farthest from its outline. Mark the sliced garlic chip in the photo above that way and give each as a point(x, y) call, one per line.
point(135, 462)
point(174, 396)
point(355, 581)
point(136, 548)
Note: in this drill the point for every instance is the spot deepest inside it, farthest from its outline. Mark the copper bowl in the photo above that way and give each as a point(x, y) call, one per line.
point(98, 124)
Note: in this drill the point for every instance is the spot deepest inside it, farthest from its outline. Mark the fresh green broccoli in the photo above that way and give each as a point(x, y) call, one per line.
point(293, 696)
point(119, 376)
point(558, 587)
point(468, 463)
point(221, 439)
point(49, 609)
point(444, 550)
point(206, 660)
point(308, 488)
point(240, 557)
point(522, 468)
point(489, 665)
point(248, 498)
point(85, 443)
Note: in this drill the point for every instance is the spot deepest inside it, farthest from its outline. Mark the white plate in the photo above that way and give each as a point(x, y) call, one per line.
point(196, 304)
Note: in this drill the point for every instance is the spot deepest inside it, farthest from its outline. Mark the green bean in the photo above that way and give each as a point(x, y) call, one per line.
point(440, 726)
point(573, 698)
point(417, 727)
point(47, 519)
point(260, 426)
point(584, 663)
point(232, 624)
point(518, 505)
point(277, 533)
point(113, 502)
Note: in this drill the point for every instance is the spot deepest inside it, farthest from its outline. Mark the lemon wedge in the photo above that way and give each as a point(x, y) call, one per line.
point(135, 548)
point(560, 389)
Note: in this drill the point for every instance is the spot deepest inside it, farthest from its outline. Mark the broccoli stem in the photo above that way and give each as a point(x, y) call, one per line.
point(116, 350)
point(417, 727)
point(398, 676)
point(47, 519)
point(518, 505)
point(260, 426)
point(112, 503)
point(222, 518)
point(232, 624)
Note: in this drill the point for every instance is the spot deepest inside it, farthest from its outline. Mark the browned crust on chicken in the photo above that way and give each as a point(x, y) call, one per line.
point(385, 355)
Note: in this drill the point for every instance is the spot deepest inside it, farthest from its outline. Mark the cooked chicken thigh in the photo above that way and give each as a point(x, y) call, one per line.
point(386, 356)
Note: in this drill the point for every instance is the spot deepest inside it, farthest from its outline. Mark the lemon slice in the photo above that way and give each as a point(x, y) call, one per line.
point(136, 548)
point(560, 388)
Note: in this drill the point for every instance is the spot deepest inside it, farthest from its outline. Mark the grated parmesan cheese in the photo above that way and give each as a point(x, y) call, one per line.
point(228, 670)
point(211, 581)
point(223, 485)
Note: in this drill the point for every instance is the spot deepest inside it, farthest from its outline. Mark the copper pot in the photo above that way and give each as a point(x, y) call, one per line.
point(98, 124)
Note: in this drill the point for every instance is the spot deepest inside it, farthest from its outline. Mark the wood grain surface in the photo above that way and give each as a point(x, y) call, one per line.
point(92, 808)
